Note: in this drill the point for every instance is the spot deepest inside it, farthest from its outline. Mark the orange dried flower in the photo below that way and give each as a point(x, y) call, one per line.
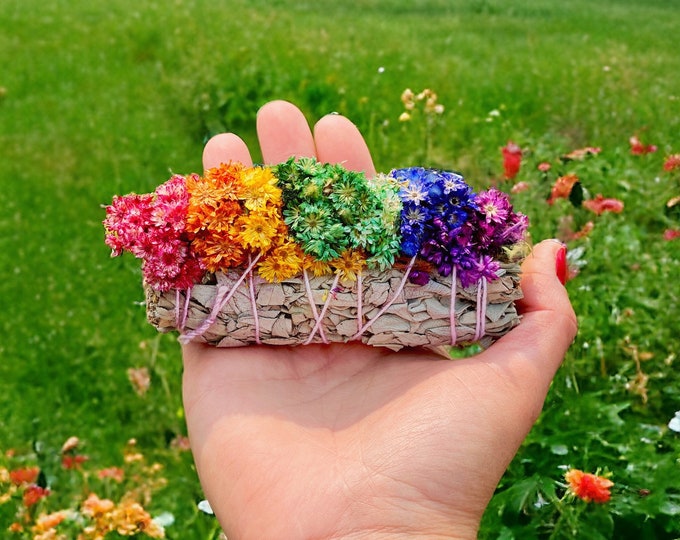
point(588, 487)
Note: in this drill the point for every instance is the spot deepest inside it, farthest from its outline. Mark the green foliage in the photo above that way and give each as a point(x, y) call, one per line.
point(102, 98)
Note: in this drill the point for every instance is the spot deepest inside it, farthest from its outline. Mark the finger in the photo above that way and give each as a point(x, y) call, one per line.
point(224, 148)
point(530, 354)
point(283, 132)
point(339, 141)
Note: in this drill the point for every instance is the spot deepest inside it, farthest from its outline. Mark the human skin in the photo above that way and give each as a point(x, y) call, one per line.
point(352, 441)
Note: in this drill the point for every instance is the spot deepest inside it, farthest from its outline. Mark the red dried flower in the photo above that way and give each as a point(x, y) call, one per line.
point(600, 205)
point(562, 187)
point(588, 487)
point(638, 148)
point(672, 163)
point(512, 159)
point(25, 475)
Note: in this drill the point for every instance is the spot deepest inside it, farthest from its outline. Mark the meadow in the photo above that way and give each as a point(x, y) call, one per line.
point(103, 98)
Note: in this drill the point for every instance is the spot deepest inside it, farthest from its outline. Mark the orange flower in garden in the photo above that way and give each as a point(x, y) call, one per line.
point(129, 518)
point(588, 487)
point(600, 205)
point(512, 160)
point(93, 506)
point(638, 148)
point(46, 522)
point(562, 187)
point(672, 163)
point(25, 475)
point(582, 153)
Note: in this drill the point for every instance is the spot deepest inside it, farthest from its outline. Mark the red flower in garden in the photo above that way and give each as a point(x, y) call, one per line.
point(26, 475)
point(589, 487)
point(115, 473)
point(73, 461)
point(33, 494)
point(562, 187)
point(672, 163)
point(600, 205)
point(544, 166)
point(512, 159)
point(638, 148)
point(671, 234)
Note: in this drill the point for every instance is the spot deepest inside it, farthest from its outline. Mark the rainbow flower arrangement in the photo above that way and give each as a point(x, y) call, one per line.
point(306, 218)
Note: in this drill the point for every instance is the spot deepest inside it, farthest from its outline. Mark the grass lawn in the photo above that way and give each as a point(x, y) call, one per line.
point(101, 98)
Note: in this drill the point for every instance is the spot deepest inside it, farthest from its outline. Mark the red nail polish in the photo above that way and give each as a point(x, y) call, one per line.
point(561, 268)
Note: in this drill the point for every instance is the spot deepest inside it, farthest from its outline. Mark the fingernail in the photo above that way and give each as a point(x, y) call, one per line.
point(561, 268)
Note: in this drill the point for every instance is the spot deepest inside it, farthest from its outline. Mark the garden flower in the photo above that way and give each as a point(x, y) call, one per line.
point(73, 461)
point(512, 159)
point(519, 187)
point(599, 205)
point(562, 187)
point(588, 487)
point(581, 153)
point(544, 166)
point(674, 423)
point(672, 163)
point(140, 379)
point(671, 234)
point(638, 148)
point(46, 522)
point(25, 475)
point(114, 473)
point(33, 494)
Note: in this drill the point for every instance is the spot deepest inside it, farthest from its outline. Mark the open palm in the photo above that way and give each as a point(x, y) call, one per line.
point(351, 441)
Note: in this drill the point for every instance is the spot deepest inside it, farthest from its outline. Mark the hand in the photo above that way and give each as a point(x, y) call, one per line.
point(352, 441)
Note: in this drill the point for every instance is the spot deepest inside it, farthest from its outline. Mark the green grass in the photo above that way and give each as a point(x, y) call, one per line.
point(104, 98)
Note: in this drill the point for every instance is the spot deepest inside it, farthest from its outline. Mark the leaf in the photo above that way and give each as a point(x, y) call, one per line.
point(576, 194)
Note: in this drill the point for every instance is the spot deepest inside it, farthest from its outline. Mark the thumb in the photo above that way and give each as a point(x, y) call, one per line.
point(534, 350)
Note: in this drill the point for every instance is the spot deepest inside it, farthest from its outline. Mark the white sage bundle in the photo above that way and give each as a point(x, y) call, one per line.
point(379, 308)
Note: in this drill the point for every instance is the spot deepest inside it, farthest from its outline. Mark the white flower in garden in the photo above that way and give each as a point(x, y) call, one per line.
point(204, 506)
point(674, 423)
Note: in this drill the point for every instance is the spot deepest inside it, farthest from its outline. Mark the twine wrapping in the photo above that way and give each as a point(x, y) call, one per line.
point(400, 314)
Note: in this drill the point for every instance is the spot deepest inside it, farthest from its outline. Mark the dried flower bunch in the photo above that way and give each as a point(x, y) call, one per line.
point(307, 252)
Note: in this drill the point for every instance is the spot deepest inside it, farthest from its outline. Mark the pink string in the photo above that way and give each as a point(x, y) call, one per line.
point(178, 297)
point(360, 300)
point(182, 308)
point(253, 303)
point(310, 297)
point(452, 307)
point(323, 311)
point(389, 303)
point(481, 309)
point(223, 296)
